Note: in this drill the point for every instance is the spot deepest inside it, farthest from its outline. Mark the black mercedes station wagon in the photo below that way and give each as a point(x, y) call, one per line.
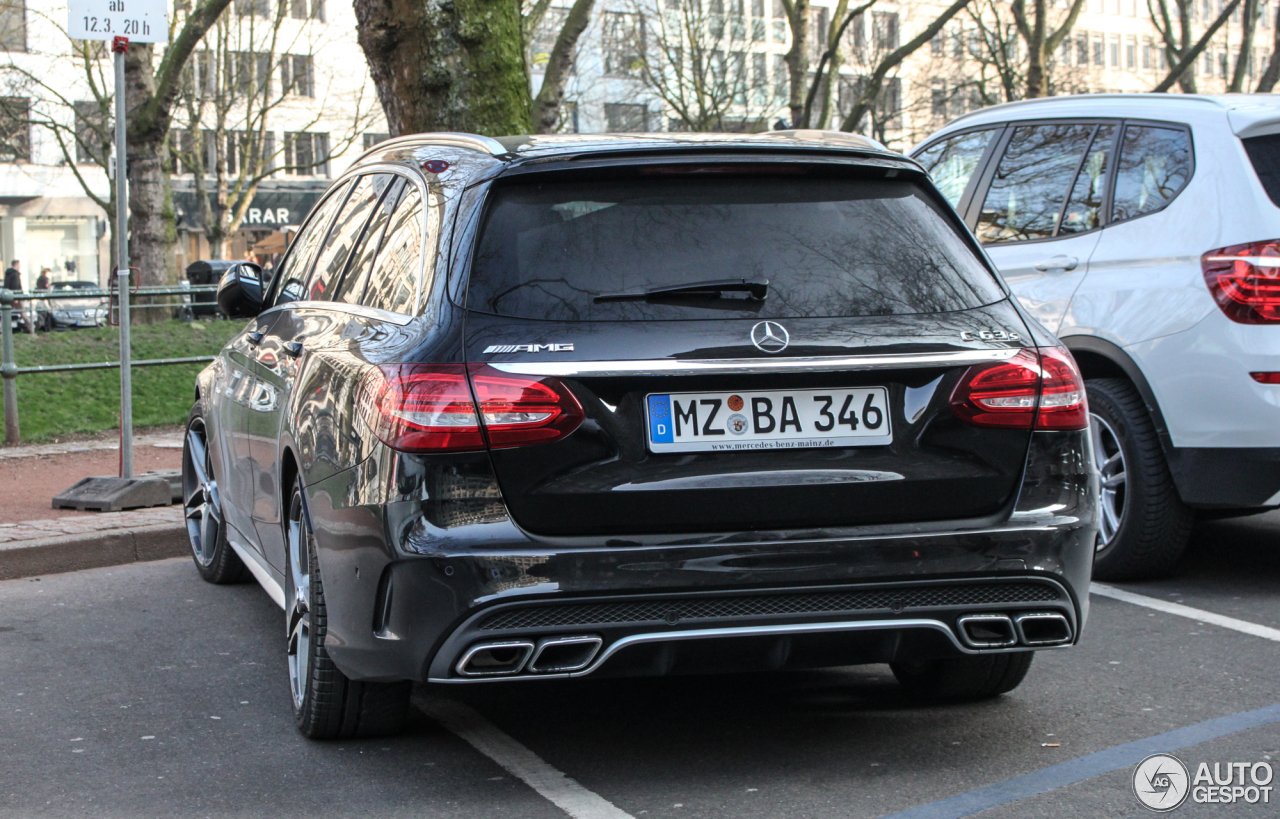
point(597, 406)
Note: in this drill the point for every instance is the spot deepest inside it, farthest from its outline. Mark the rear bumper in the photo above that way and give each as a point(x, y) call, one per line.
point(1227, 477)
point(408, 597)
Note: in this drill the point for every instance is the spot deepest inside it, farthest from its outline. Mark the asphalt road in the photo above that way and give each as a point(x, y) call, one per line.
point(140, 691)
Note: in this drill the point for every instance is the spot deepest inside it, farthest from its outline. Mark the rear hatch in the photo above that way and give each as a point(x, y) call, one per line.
point(753, 347)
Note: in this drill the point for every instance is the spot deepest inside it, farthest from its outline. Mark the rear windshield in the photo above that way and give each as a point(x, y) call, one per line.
point(826, 247)
point(1264, 153)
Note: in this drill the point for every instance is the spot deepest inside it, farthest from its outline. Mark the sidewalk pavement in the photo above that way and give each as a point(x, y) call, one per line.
point(36, 539)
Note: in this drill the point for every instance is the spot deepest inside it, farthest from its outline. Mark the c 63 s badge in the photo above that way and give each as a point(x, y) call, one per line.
point(528, 348)
point(988, 335)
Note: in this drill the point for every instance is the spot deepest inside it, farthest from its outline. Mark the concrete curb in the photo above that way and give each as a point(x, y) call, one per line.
point(92, 550)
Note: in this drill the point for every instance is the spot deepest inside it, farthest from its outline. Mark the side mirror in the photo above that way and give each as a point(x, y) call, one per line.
point(241, 290)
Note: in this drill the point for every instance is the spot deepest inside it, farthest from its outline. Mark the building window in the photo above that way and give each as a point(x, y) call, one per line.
point(13, 25)
point(884, 30)
point(297, 75)
point(627, 118)
point(623, 44)
point(304, 10)
point(257, 8)
point(1082, 49)
point(252, 71)
point(1114, 51)
point(1130, 54)
point(1146, 52)
point(306, 154)
point(371, 140)
point(15, 129)
point(91, 132)
point(938, 99)
point(1099, 57)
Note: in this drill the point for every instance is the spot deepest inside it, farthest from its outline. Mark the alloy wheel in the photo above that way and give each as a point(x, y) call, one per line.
point(1109, 458)
point(201, 505)
point(299, 601)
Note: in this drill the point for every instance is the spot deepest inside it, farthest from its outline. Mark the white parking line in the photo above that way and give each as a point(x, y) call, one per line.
point(525, 765)
point(1200, 615)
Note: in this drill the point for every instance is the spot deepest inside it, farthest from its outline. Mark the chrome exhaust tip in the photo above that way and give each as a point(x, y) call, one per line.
point(564, 654)
point(1043, 628)
point(987, 630)
point(493, 659)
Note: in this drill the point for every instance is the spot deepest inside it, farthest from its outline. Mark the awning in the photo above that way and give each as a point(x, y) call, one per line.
point(275, 243)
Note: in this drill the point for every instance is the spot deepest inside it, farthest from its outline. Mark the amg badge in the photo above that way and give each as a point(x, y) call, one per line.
point(528, 348)
point(988, 335)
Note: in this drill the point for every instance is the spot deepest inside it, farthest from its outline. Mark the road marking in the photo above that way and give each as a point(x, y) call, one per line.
point(525, 765)
point(1244, 626)
point(1089, 766)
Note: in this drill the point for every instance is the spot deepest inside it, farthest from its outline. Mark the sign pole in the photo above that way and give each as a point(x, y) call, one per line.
point(120, 45)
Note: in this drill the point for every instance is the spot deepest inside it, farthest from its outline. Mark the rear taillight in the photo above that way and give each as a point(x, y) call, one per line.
point(1039, 388)
point(1245, 281)
point(430, 408)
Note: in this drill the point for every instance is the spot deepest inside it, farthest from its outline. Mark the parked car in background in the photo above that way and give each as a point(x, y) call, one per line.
point(1144, 230)
point(546, 407)
point(204, 305)
point(67, 314)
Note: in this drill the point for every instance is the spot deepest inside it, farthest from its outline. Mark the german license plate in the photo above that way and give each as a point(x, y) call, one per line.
point(775, 419)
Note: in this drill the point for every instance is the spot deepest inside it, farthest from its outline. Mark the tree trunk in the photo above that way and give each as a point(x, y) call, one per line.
point(1248, 25)
point(797, 57)
point(447, 65)
point(546, 107)
point(1269, 77)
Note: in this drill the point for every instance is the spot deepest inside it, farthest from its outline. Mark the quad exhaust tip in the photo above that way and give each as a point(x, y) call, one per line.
point(564, 654)
point(988, 630)
point(497, 658)
point(1042, 628)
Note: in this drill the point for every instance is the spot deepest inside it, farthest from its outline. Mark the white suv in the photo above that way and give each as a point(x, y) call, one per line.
point(1144, 230)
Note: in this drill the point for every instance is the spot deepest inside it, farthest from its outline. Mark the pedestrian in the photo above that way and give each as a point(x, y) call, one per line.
point(13, 282)
point(13, 276)
point(42, 283)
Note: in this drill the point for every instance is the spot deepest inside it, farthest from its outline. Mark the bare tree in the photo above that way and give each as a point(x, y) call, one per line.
point(1244, 59)
point(1173, 21)
point(1272, 72)
point(864, 99)
point(1041, 38)
point(830, 61)
point(229, 103)
point(550, 97)
point(700, 62)
point(1191, 54)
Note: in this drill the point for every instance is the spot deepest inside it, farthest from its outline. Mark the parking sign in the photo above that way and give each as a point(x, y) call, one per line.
point(142, 21)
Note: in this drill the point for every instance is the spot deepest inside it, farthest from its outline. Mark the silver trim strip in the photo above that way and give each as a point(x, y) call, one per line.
point(260, 572)
point(746, 366)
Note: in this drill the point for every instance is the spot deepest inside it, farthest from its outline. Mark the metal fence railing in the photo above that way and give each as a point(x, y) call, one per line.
point(30, 302)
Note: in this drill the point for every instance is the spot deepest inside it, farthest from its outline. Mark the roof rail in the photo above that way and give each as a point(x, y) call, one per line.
point(474, 142)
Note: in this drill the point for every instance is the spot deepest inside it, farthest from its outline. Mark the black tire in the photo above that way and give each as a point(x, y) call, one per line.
point(964, 678)
point(326, 704)
point(215, 560)
point(1154, 524)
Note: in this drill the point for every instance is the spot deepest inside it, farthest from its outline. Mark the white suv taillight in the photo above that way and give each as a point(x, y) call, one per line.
point(1245, 281)
point(1039, 388)
point(431, 408)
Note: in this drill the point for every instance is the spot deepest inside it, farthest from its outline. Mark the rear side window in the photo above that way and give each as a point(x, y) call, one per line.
point(297, 265)
point(351, 290)
point(1155, 164)
point(393, 282)
point(1084, 208)
point(346, 229)
point(1264, 153)
point(566, 249)
point(952, 161)
point(1032, 182)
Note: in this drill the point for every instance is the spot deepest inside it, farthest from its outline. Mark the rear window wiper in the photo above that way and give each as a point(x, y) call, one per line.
point(757, 290)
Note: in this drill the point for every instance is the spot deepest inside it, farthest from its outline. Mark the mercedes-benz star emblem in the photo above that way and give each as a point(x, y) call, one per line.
point(770, 337)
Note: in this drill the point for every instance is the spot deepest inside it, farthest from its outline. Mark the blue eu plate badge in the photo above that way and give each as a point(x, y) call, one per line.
point(660, 419)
